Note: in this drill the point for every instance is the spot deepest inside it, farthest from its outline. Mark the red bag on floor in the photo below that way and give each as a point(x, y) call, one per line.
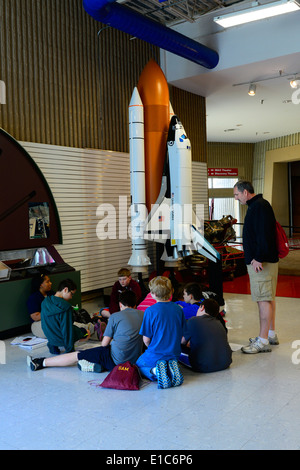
point(281, 241)
point(123, 377)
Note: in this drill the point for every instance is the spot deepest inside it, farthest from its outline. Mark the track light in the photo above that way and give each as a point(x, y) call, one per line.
point(252, 90)
point(258, 12)
point(295, 82)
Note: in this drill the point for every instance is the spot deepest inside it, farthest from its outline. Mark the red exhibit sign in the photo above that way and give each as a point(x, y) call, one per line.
point(222, 171)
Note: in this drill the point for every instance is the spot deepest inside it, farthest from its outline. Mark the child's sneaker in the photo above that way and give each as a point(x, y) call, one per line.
point(163, 380)
point(176, 375)
point(86, 366)
point(35, 364)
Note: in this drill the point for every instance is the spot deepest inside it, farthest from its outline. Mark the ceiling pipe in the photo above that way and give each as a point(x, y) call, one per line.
point(129, 21)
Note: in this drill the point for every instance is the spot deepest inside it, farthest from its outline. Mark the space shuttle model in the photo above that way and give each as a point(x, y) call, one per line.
point(161, 177)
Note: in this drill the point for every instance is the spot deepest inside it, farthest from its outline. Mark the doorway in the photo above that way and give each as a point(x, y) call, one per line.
point(294, 176)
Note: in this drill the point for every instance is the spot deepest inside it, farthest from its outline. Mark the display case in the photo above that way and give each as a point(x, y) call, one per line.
point(23, 266)
point(29, 231)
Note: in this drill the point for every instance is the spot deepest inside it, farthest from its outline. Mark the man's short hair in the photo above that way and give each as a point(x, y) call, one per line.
point(66, 283)
point(161, 287)
point(211, 307)
point(194, 289)
point(124, 272)
point(242, 185)
point(128, 298)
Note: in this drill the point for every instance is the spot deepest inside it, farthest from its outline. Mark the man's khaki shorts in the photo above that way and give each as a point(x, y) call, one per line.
point(263, 284)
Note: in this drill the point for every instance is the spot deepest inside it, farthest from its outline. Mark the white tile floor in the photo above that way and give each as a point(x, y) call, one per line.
point(253, 405)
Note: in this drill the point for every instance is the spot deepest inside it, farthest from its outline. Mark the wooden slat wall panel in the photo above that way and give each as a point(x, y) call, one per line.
point(200, 186)
point(67, 83)
point(232, 155)
point(69, 79)
point(121, 61)
point(191, 111)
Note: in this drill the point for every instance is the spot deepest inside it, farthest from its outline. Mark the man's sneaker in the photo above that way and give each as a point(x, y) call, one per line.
point(163, 380)
point(175, 372)
point(35, 364)
point(86, 366)
point(272, 340)
point(255, 347)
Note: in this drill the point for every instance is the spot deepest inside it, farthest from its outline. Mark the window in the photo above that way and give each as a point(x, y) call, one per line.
point(214, 183)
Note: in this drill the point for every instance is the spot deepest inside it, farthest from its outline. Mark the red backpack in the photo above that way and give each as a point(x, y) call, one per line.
point(281, 241)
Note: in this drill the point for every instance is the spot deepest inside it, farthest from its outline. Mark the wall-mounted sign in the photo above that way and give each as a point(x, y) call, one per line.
point(222, 171)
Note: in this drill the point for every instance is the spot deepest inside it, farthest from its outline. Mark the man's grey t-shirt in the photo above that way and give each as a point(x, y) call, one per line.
point(124, 328)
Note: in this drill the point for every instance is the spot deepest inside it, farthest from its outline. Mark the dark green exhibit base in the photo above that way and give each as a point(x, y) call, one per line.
point(14, 318)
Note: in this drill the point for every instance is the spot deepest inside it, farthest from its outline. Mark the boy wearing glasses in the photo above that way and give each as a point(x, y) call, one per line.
point(57, 319)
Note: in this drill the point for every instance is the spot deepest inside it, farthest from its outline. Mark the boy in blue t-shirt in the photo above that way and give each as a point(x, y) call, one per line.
point(163, 328)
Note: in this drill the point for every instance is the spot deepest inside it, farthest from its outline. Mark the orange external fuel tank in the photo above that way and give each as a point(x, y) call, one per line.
point(154, 92)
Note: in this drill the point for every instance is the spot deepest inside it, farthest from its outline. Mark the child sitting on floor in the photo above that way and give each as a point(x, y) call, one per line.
point(162, 329)
point(121, 343)
point(207, 347)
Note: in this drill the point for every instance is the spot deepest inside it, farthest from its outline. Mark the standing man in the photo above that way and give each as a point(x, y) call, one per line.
point(261, 257)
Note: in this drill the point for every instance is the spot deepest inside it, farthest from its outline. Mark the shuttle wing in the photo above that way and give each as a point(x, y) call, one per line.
point(202, 246)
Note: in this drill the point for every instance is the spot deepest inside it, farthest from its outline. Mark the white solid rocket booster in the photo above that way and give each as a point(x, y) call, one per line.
point(139, 259)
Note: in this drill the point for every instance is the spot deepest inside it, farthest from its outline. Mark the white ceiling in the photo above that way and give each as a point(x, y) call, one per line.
point(234, 116)
point(258, 52)
point(265, 52)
